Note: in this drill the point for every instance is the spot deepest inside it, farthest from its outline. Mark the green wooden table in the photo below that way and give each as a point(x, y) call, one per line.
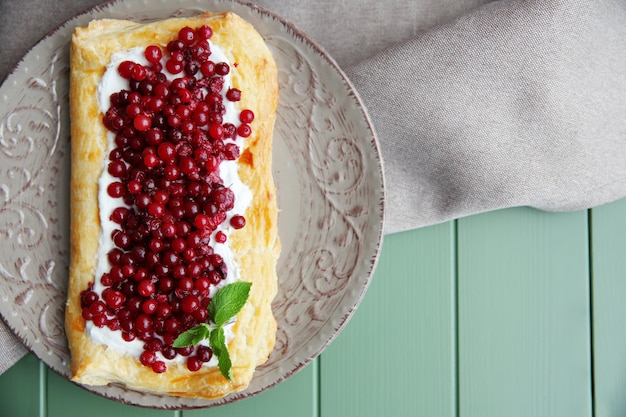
point(511, 313)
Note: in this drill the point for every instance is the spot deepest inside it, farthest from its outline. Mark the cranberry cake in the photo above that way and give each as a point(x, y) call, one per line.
point(172, 199)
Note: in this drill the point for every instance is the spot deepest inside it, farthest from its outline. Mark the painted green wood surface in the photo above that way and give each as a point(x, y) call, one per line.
point(511, 313)
point(22, 390)
point(66, 399)
point(524, 338)
point(297, 397)
point(397, 354)
point(608, 231)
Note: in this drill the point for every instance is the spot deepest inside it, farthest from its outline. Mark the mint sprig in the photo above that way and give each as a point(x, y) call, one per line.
point(226, 303)
point(193, 336)
point(217, 341)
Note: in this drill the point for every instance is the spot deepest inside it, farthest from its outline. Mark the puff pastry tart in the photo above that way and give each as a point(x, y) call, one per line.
point(172, 199)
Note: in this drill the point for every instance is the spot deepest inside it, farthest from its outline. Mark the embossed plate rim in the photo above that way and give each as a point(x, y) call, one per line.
point(354, 287)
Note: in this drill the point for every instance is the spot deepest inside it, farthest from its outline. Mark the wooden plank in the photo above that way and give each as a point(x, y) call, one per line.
point(20, 388)
point(524, 327)
point(65, 399)
point(608, 243)
point(295, 397)
point(396, 356)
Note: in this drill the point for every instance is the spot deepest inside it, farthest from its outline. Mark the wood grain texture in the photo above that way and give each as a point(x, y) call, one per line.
point(296, 397)
point(608, 250)
point(396, 356)
point(65, 399)
point(524, 339)
point(20, 388)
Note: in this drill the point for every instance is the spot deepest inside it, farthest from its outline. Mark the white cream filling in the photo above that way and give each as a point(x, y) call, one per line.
point(110, 83)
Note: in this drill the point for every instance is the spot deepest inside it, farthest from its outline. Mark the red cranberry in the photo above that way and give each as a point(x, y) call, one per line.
point(200, 315)
point(142, 122)
point(159, 367)
point(246, 116)
point(97, 308)
point(244, 130)
point(194, 363)
point(185, 351)
point(106, 280)
point(187, 35)
point(155, 344)
point(193, 270)
point(214, 277)
point(175, 45)
point(173, 67)
point(212, 163)
point(216, 83)
point(149, 307)
point(216, 131)
point(139, 72)
point(113, 324)
point(204, 353)
point(86, 314)
point(202, 284)
point(115, 299)
point(146, 288)
point(222, 68)
point(121, 239)
point(134, 187)
point(185, 285)
point(125, 69)
point(190, 303)
point(133, 305)
point(146, 87)
point(99, 320)
point(238, 221)
point(143, 323)
point(128, 336)
point(115, 189)
point(153, 54)
point(233, 94)
point(168, 352)
point(204, 32)
point(88, 298)
point(117, 168)
point(216, 260)
point(172, 326)
point(147, 357)
point(163, 310)
point(220, 237)
point(231, 151)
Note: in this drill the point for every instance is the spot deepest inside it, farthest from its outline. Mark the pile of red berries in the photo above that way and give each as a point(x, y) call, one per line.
point(170, 138)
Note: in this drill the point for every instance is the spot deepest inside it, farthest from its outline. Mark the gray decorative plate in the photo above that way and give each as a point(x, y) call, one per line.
point(327, 168)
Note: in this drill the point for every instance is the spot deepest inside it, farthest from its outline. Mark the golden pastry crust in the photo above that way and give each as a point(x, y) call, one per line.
point(256, 246)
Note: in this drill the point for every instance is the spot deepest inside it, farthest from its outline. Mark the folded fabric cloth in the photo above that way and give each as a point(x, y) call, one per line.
point(477, 106)
point(520, 103)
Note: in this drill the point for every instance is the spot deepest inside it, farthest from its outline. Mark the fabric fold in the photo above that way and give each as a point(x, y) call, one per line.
point(11, 350)
point(518, 103)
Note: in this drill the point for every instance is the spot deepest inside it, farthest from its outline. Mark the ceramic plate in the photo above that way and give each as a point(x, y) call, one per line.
point(327, 169)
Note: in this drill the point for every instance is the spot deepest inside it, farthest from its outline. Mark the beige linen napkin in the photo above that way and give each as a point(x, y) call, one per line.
point(520, 103)
point(478, 105)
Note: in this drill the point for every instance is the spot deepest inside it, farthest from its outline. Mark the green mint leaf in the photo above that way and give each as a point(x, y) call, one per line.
point(228, 301)
point(217, 342)
point(192, 336)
